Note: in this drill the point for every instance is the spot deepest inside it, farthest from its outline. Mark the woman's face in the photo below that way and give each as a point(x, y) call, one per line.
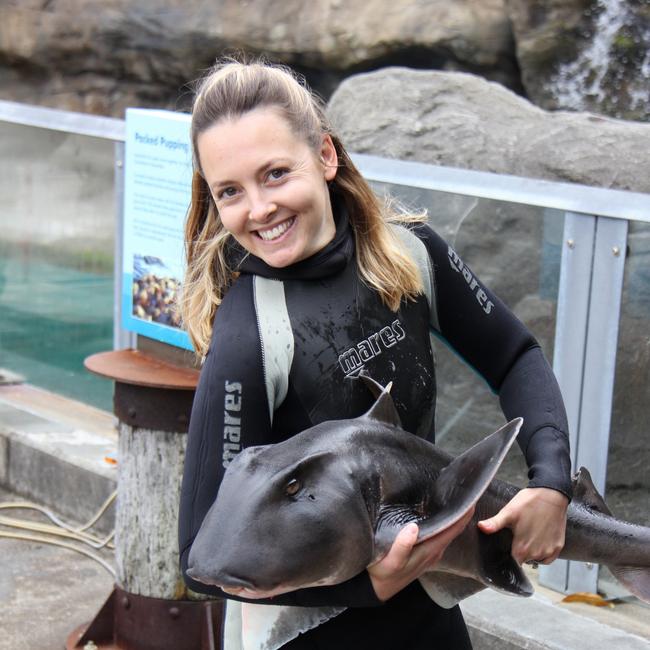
point(269, 186)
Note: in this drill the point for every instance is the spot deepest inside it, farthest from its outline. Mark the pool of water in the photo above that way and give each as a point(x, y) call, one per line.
point(52, 316)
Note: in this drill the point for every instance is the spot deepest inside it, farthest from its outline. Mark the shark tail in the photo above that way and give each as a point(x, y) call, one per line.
point(636, 579)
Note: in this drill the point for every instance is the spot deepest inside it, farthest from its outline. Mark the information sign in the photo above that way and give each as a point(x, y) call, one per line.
point(158, 176)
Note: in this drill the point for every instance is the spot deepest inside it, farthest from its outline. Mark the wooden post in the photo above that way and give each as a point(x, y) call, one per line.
point(150, 608)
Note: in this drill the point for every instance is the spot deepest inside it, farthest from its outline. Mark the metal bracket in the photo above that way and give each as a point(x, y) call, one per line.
point(130, 621)
point(150, 393)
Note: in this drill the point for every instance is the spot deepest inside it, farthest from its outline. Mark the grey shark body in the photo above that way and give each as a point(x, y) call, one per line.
point(320, 507)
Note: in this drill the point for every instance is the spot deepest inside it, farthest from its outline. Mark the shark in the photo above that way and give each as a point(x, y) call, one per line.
point(320, 507)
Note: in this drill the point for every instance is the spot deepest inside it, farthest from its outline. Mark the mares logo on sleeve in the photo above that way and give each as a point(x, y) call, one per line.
point(457, 264)
point(232, 421)
point(354, 358)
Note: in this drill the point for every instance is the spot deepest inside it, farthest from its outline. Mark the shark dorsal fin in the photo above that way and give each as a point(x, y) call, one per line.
point(383, 410)
point(584, 491)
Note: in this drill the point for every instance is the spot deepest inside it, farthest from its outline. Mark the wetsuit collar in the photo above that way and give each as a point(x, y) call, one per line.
point(328, 261)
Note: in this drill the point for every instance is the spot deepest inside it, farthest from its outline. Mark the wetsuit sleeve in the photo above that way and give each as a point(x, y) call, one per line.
point(226, 415)
point(230, 412)
point(489, 337)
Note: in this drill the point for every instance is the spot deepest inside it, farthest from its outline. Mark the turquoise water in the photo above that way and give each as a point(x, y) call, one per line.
point(51, 318)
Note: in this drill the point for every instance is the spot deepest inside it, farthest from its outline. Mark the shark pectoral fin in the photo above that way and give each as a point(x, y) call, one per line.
point(448, 589)
point(463, 481)
point(636, 579)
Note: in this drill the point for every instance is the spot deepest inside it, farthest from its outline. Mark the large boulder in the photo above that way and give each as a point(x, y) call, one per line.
point(100, 56)
point(585, 54)
point(459, 120)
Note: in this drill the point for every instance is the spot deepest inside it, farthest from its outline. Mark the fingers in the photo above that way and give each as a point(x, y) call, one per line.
point(431, 551)
point(537, 518)
point(400, 551)
point(501, 520)
point(407, 559)
point(538, 549)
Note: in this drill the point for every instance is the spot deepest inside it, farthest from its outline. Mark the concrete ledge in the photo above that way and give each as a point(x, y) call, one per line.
point(499, 622)
point(53, 461)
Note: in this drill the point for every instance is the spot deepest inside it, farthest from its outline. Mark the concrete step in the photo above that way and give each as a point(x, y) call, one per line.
point(61, 453)
point(542, 622)
point(58, 452)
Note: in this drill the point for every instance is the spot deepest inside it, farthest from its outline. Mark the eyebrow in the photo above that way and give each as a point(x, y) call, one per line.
point(267, 165)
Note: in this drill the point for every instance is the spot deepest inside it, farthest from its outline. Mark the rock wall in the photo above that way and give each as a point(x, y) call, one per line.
point(117, 53)
point(100, 56)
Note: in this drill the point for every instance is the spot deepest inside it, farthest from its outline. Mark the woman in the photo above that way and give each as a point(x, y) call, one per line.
point(297, 277)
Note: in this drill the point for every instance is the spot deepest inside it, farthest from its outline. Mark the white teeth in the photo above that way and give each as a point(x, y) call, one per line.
point(274, 233)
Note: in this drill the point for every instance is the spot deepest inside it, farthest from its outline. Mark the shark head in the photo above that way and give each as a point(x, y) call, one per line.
point(283, 520)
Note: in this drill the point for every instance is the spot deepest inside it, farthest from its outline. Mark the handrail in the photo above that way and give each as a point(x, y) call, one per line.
point(569, 197)
point(108, 128)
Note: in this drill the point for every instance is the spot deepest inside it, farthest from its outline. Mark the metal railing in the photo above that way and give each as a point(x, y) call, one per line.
point(590, 285)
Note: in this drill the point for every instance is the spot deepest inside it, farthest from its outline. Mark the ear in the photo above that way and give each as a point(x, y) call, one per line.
point(328, 157)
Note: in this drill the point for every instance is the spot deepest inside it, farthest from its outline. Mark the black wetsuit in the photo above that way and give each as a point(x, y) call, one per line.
point(283, 343)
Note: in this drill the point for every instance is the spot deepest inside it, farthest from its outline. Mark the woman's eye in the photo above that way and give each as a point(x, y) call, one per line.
point(292, 487)
point(277, 174)
point(227, 193)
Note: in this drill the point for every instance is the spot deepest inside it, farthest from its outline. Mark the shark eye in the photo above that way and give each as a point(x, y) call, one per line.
point(292, 487)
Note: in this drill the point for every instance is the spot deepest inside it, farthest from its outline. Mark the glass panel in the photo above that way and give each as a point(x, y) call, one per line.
point(56, 258)
point(628, 476)
point(515, 250)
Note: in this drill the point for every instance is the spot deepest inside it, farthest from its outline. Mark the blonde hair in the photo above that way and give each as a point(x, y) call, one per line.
point(229, 90)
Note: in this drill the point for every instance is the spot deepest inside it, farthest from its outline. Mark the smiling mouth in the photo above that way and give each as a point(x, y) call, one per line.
point(274, 233)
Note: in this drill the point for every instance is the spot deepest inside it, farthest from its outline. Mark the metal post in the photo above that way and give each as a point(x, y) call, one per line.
point(600, 364)
point(589, 301)
point(121, 338)
point(570, 337)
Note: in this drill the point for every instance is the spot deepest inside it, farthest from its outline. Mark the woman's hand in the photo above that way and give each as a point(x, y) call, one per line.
point(537, 518)
point(406, 560)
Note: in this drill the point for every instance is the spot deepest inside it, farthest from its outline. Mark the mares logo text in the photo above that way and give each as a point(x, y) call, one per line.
point(354, 358)
point(458, 266)
point(232, 421)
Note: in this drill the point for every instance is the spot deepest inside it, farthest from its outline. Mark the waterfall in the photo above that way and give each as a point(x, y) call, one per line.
point(640, 94)
point(579, 84)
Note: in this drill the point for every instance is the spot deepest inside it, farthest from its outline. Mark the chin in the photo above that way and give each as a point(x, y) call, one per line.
point(280, 261)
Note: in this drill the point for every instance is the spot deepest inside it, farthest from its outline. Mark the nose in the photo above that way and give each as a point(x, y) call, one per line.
point(260, 208)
